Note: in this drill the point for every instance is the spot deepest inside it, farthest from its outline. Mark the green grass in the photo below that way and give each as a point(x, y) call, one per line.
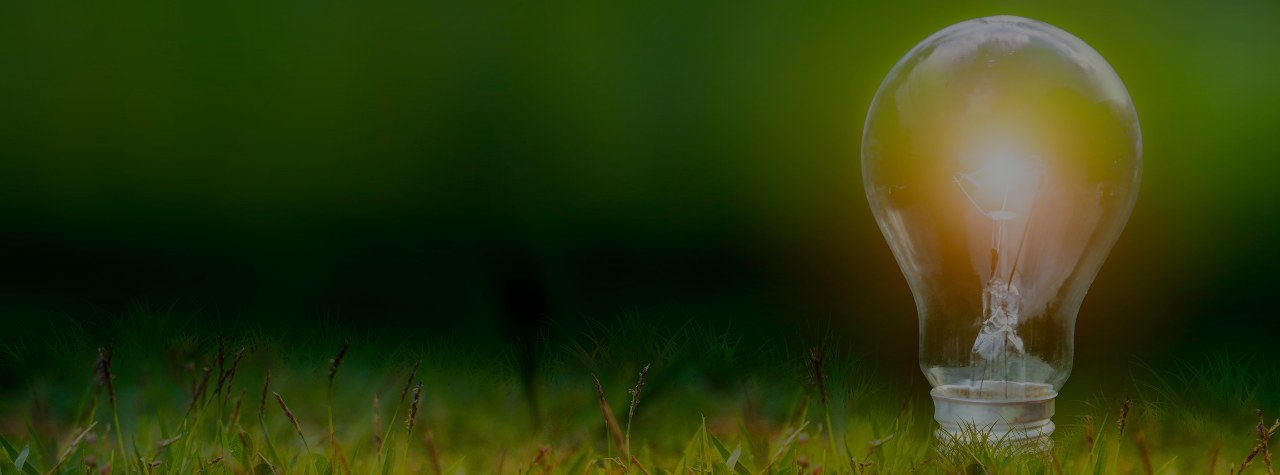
point(714, 403)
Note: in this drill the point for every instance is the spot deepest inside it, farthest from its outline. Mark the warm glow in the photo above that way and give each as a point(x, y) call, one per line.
point(1001, 157)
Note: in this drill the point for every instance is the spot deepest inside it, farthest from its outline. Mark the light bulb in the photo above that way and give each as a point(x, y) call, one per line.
point(1001, 157)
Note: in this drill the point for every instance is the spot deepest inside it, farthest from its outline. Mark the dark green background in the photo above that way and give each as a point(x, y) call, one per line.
point(399, 164)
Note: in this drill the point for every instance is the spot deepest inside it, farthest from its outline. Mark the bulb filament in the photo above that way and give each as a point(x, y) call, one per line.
point(998, 335)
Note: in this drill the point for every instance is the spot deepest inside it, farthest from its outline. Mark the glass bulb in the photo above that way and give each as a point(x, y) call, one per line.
point(1001, 157)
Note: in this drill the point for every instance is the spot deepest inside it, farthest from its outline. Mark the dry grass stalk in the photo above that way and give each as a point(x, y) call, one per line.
point(377, 425)
point(429, 439)
point(803, 409)
point(262, 406)
point(74, 444)
point(342, 459)
point(875, 444)
point(409, 384)
point(93, 402)
point(1213, 460)
point(610, 421)
point(636, 462)
point(289, 413)
point(1124, 414)
point(1088, 432)
point(268, 462)
point(413, 409)
point(1143, 453)
point(165, 443)
point(337, 361)
point(215, 460)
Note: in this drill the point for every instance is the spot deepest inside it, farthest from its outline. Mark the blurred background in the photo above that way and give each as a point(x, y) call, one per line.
point(468, 170)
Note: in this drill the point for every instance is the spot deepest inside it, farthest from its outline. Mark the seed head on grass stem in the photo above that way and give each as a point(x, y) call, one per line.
point(262, 406)
point(231, 375)
point(816, 356)
point(400, 402)
point(1124, 414)
point(543, 458)
point(333, 371)
point(296, 427)
point(409, 384)
point(337, 361)
point(1264, 439)
point(635, 393)
point(104, 375)
point(413, 410)
point(610, 421)
point(289, 413)
point(104, 372)
point(1088, 432)
point(635, 399)
point(222, 378)
point(1248, 460)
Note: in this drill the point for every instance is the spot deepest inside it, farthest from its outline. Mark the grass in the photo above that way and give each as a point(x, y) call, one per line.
point(177, 397)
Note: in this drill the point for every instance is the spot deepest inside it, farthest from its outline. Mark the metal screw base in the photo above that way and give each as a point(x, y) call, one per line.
point(965, 412)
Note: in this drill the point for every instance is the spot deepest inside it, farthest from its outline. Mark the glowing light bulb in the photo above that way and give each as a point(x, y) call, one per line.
point(1001, 157)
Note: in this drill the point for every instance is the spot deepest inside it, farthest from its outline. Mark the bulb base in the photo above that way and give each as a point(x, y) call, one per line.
point(998, 411)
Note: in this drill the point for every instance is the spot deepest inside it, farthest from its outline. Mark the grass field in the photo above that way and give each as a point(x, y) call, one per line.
point(167, 396)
